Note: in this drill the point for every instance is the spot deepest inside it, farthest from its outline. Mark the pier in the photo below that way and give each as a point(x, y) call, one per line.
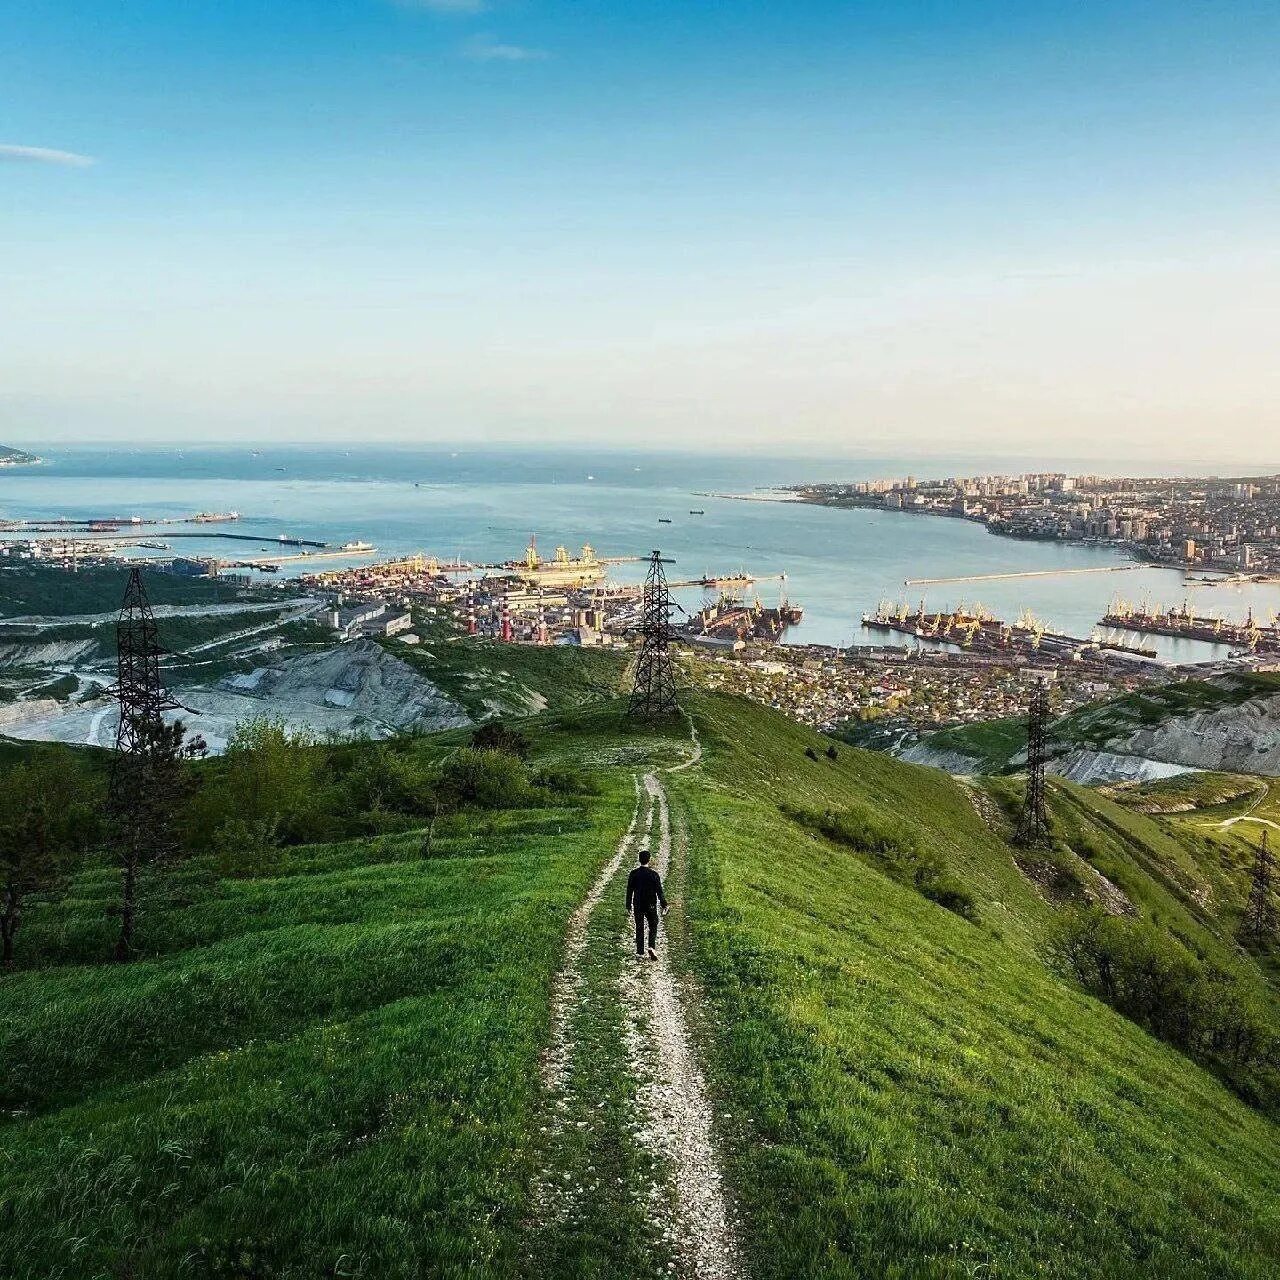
point(1023, 573)
point(981, 632)
point(1182, 624)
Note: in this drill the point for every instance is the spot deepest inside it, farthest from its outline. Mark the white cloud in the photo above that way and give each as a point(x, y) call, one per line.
point(487, 49)
point(44, 155)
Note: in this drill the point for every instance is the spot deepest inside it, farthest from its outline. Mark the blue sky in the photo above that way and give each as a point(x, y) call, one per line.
point(861, 224)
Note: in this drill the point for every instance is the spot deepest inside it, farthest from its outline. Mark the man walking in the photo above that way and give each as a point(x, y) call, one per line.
point(644, 893)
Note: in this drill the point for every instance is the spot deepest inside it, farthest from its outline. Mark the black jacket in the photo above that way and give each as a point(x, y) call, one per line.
point(644, 888)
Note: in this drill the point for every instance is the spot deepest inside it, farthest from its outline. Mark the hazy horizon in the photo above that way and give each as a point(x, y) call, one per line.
point(863, 462)
point(868, 229)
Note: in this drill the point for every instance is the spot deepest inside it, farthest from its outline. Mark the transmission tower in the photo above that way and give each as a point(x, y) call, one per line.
point(139, 802)
point(1260, 913)
point(1033, 826)
point(654, 693)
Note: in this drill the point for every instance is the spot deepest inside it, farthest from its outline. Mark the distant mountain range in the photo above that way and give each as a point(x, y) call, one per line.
point(16, 457)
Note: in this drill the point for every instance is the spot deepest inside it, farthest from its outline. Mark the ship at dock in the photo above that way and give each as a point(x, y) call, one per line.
point(981, 631)
point(1253, 635)
point(734, 618)
point(215, 517)
point(562, 570)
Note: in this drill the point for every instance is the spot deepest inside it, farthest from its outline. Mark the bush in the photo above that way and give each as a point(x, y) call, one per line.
point(244, 849)
point(486, 779)
point(562, 781)
point(269, 777)
point(895, 851)
point(495, 736)
point(1141, 972)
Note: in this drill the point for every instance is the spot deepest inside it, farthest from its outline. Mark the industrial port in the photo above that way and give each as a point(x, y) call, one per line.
point(1181, 622)
point(979, 631)
point(563, 599)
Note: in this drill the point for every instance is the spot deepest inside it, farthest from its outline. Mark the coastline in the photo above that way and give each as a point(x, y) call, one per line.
point(1134, 551)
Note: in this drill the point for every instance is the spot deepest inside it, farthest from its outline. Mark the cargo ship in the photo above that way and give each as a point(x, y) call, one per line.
point(732, 617)
point(215, 517)
point(562, 570)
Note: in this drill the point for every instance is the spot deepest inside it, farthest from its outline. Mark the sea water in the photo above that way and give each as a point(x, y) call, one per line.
point(483, 504)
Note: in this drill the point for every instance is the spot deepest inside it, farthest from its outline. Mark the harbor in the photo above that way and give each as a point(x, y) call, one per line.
point(1182, 622)
point(977, 630)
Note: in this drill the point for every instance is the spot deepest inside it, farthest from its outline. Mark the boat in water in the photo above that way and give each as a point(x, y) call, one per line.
point(562, 570)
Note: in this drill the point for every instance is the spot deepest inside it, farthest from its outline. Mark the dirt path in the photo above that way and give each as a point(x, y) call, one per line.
point(1244, 817)
point(675, 1107)
point(668, 1113)
point(567, 989)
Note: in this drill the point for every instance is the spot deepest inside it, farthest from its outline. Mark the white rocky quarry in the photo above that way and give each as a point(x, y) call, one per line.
point(354, 689)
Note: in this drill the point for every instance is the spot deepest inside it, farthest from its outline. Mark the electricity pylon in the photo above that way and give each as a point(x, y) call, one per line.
point(1033, 825)
point(143, 782)
point(653, 695)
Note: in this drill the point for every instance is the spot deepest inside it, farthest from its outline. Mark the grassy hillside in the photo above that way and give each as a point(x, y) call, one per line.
point(919, 1093)
point(997, 745)
point(489, 678)
point(1095, 725)
point(335, 1063)
point(991, 744)
point(334, 1069)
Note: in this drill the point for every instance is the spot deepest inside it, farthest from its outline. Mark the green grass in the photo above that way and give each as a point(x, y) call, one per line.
point(1095, 725)
point(991, 743)
point(335, 1070)
point(491, 678)
point(331, 1072)
point(1219, 793)
point(919, 1095)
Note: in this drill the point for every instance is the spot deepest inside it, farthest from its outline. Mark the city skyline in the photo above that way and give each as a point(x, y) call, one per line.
point(875, 228)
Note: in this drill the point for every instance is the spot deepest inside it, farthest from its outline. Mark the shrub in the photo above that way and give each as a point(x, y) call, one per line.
point(560, 780)
point(1209, 1012)
point(486, 779)
point(496, 736)
point(894, 849)
point(244, 849)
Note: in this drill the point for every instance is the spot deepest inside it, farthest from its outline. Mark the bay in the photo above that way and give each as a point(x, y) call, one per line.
point(484, 503)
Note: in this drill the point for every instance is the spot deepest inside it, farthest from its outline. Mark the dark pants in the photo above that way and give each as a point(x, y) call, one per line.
point(651, 915)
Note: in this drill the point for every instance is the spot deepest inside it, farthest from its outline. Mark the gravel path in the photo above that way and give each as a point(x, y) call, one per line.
point(672, 1094)
point(566, 990)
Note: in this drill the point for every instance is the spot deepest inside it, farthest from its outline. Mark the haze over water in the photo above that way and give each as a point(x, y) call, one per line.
point(483, 504)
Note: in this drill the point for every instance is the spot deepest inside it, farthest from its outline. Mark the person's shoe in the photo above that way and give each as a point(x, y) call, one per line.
point(653, 955)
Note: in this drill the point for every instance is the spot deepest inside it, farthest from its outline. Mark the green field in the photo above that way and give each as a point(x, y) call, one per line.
point(337, 1063)
point(924, 1095)
point(333, 1069)
point(992, 744)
